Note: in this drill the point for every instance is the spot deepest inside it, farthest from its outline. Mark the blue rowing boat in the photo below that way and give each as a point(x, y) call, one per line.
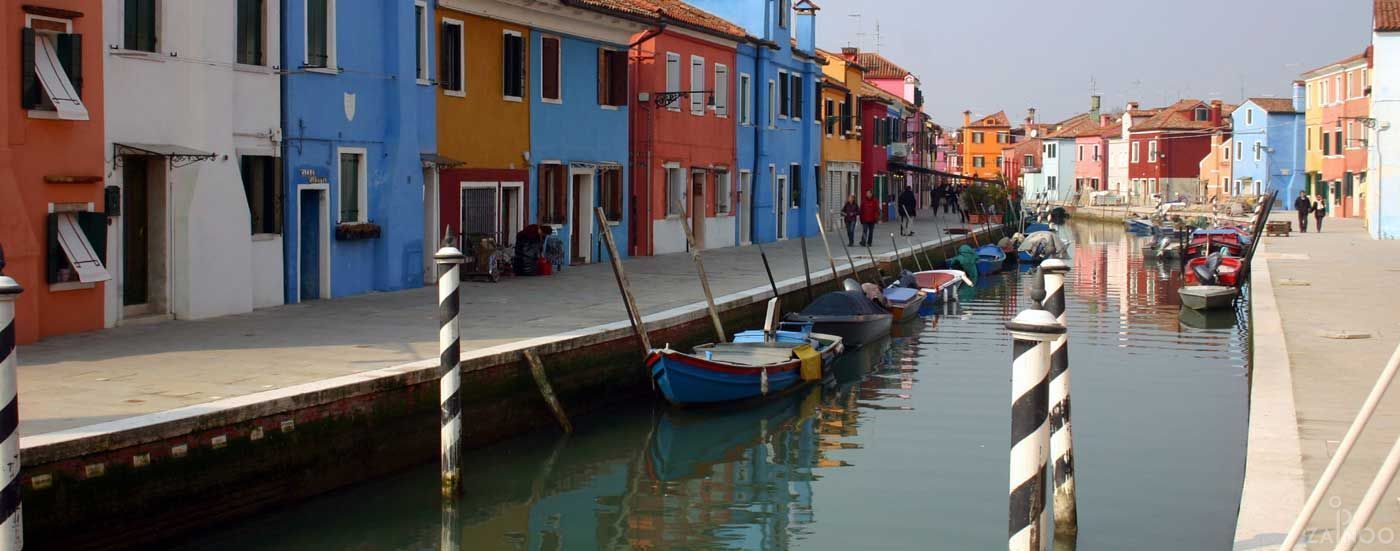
point(990, 259)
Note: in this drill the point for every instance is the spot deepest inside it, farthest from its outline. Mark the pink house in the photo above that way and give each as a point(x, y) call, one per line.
point(1091, 154)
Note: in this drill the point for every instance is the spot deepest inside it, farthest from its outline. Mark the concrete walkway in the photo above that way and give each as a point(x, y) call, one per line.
point(80, 380)
point(1326, 285)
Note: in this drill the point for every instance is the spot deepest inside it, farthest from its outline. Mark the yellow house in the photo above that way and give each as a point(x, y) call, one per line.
point(1312, 121)
point(483, 135)
point(840, 141)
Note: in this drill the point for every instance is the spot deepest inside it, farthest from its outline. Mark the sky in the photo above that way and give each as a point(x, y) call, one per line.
point(993, 55)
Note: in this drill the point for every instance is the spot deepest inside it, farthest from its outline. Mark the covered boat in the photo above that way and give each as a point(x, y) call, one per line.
point(1204, 242)
point(990, 259)
point(1039, 246)
point(849, 315)
point(941, 285)
point(904, 302)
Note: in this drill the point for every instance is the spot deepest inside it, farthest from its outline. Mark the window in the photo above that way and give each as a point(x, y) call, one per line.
point(610, 193)
point(1239, 150)
point(847, 121)
point(1202, 114)
point(453, 59)
point(1258, 150)
point(139, 29)
point(420, 36)
point(784, 13)
point(745, 99)
point(353, 200)
point(722, 192)
point(797, 92)
point(51, 68)
point(1052, 150)
point(977, 137)
point(675, 190)
point(551, 70)
point(1051, 183)
point(831, 117)
point(1249, 116)
point(978, 161)
point(673, 77)
point(1323, 97)
point(1339, 94)
point(263, 187)
point(250, 32)
point(553, 207)
point(1081, 153)
point(697, 84)
point(1337, 142)
point(1351, 144)
point(513, 65)
point(784, 95)
point(1226, 147)
point(1029, 162)
point(1096, 152)
point(77, 244)
point(1351, 87)
point(1152, 151)
point(320, 33)
point(721, 90)
point(1003, 137)
point(999, 161)
point(772, 104)
point(612, 77)
point(1135, 151)
point(795, 180)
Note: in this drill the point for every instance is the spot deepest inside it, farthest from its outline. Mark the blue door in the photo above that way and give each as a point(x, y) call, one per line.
point(309, 259)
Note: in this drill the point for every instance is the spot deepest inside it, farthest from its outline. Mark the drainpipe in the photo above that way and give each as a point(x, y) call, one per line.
point(288, 189)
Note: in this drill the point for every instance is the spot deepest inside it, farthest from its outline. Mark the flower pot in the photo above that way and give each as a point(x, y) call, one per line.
point(357, 231)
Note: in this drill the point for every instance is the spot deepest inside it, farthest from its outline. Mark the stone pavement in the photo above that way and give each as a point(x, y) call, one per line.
point(79, 380)
point(1327, 285)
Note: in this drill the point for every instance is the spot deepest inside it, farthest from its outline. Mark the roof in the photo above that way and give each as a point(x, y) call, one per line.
point(879, 67)
point(995, 119)
point(1275, 105)
point(1334, 65)
point(673, 11)
point(831, 56)
point(1387, 15)
point(1071, 127)
point(1180, 116)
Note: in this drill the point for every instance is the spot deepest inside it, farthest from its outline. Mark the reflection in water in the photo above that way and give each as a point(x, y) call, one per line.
point(905, 448)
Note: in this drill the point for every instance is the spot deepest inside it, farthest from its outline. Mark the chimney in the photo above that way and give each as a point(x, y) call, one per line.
point(1300, 99)
point(1132, 106)
point(967, 118)
point(1216, 117)
point(806, 25)
point(1095, 106)
point(1104, 120)
point(850, 53)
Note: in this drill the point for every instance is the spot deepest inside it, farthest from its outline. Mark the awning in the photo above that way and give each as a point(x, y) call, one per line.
point(79, 251)
point(178, 155)
point(433, 160)
point(55, 81)
point(903, 167)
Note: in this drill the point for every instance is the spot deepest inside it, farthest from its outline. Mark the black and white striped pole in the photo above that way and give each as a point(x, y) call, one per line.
point(1031, 333)
point(449, 263)
point(1061, 437)
point(12, 526)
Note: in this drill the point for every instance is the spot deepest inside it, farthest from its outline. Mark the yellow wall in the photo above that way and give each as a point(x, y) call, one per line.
point(482, 129)
point(834, 148)
point(1312, 121)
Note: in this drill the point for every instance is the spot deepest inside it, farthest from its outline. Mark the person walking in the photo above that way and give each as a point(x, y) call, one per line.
point(950, 194)
point(1303, 206)
point(869, 215)
point(850, 212)
point(1319, 210)
point(964, 205)
point(908, 203)
point(933, 199)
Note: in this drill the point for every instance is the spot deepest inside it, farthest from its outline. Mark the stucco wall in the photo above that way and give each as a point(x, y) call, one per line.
point(1118, 156)
point(481, 128)
point(1383, 198)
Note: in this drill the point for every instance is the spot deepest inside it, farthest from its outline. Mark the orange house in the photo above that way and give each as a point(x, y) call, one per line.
point(982, 144)
point(53, 225)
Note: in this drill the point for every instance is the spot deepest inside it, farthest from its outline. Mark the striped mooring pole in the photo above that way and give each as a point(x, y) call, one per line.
point(1031, 333)
point(12, 525)
point(449, 263)
point(1061, 437)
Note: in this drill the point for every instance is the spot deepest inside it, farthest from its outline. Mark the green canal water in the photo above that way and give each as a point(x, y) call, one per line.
point(907, 450)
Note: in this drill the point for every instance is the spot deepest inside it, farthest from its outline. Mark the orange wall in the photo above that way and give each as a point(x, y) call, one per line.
point(483, 129)
point(30, 150)
point(989, 149)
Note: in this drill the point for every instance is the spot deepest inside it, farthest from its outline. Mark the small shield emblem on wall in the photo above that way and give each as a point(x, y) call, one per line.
point(349, 106)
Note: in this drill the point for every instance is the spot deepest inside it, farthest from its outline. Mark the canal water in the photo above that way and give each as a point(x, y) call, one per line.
point(907, 450)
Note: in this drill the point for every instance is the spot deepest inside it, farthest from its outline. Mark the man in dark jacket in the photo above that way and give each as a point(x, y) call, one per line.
point(1303, 206)
point(869, 215)
point(908, 203)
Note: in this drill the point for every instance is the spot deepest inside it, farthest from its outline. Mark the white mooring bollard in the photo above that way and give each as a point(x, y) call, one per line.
point(1061, 437)
point(1031, 332)
point(449, 262)
point(11, 519)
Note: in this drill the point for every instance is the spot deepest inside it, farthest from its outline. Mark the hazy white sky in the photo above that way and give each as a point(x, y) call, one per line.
point(990, 55)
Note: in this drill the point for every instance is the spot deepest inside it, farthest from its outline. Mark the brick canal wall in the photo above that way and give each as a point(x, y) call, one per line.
point(151, 478)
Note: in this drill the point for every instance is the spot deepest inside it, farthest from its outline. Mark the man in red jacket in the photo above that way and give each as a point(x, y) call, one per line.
point(869, 215)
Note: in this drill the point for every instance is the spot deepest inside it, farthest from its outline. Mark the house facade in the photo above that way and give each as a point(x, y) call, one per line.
point(781, 147)
point(360, 109)
point(1217, 175)
point(1382, 203)
point(1337, 104)
point(841, 144)
point(910, 146)
point(193, 136)
point(54, 219)
point(982, 143)
point(1091, 155)
point(1166, 149)
point(1023, 165)
point(875, 120)
point(1268, 136)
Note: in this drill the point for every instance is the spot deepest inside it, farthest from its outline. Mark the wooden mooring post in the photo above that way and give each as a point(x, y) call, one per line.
point(821, 230)
point(704, 280)
point(633, 314)
point(542, 381)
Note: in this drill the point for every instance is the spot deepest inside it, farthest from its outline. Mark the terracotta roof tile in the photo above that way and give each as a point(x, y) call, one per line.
point(1387, 15)
point(878, 66)
point(1311, 73)
point(1275, 105)
point(993, 120)
point(674, 11)
point(1180, 116)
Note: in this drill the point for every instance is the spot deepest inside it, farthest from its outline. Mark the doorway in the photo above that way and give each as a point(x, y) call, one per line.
point(745, 213)
point(510, 211)
point(581, 218)
point(431, 238)
point(697, 207)
point(780, 205)
point(143, 237)
point(313, 244)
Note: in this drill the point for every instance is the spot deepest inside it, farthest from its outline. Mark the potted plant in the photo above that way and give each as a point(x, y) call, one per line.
point(982, 200)
point(355, 231)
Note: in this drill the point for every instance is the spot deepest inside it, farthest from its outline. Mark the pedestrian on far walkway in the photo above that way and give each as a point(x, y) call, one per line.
point(1319, 210)
point(908, 203)
point(1303, 206)
point(964, 206)
point(869, 215)
point(933, 194)
point(849, 214)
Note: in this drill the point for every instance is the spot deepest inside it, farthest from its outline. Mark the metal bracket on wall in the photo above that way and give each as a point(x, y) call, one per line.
point(665, 99)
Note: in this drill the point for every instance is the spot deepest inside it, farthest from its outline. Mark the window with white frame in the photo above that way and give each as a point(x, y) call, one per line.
point(51, 76)
point(250, 28)
point(745, 99)
point(1322, 98)
point(1052, 182)
point(796, 90)
point(675, 190)
point(420, 35)
point(551, 70)
point(353, 186)
point(721, 90)
point(772, 104)
point(320, 34)
point(673, 77)
point(978, 161)
point(1152, 151)
point(795, 181)
point(1248, 116)
point(1096, 152)
point(453, 58)
point(978, 137)
point(697, 84)
point(784, 95)
point(1080, 153)
point(553, 203)
point(1239, 150)
point(1258, 151)
point(722, 192)
point(1225, 147)
point(262, 185)
point(1340, 93)
point(141, 25)
point(1135, 156)
point(513, 65)
point(830, 122)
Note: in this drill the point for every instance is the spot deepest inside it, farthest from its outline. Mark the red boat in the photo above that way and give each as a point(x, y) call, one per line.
point(1214, 270)
point(1205, 242)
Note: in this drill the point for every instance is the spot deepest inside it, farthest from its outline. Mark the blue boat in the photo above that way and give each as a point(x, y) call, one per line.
point(990, 259)
point(1141, 226)
point(1032, 228)
point(757, 364)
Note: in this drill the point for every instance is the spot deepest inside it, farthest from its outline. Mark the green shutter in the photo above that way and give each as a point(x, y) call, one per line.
point(70, 55)
point(30, 95)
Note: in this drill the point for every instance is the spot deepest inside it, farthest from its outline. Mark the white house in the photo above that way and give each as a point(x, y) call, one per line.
point(193, 135)
point(1383, 195)
point(1118, 162)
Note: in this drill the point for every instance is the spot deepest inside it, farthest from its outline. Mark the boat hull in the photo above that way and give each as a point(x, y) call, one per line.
point(908, 309)
point(1207, 297)
point(689, 380)
point(855, 331)
point(940, 285)
point(1228, 274)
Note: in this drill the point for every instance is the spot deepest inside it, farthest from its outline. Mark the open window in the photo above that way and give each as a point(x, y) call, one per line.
point(553, 206)
point(51, 68)
point(610, 193)
point(612, 77)
point(77, 245)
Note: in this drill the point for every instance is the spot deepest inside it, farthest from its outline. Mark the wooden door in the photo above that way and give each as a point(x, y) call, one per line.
point(697, 208)
point(136, 235)
point(576, 244)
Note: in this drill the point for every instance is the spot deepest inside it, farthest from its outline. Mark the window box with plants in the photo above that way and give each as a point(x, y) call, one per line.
point(987, 203)
point(356, 231)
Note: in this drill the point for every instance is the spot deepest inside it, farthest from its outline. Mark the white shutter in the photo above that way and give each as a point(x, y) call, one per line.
point(79, 251)
point(721, 90)
point(673, 76)
point(697, 83)
point(55, 81)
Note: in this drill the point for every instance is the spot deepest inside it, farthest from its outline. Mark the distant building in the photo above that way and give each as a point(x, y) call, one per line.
point(1216, 169)
point(1268, 138)
point(841, 144)
point(1166, 149)
point(1382, 203)
point(1091, 155)
point(982, 141)
point(1338, 101)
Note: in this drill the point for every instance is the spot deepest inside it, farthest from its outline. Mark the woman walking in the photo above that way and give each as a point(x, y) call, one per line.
point(1319, 210)
point(849, 214)
point(869, 215)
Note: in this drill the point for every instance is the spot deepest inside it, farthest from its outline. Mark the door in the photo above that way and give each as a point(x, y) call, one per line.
point(136, 234)
point(745, 214)
point(697, 208)
point(309, 244)
point(431, 236)
point(581, 219)
point(510, 213)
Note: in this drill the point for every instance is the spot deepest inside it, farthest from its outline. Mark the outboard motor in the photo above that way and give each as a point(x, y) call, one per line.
point(907, 280)
point(849, 284)
point(1204, 275)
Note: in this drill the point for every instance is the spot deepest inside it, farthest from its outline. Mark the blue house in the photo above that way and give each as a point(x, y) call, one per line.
point(779, 142)
point(1268, 137)
point(358, 121)
point(579, 142)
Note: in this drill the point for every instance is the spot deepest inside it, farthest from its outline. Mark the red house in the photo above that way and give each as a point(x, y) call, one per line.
point(1165, 151)
point(874, 142)
point(683, 146)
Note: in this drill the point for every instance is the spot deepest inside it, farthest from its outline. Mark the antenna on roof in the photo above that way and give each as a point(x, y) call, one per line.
point(1093, 85)
point(860, 35)
point(877, 36)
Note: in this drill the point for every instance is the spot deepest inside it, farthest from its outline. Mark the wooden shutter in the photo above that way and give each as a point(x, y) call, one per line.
point(604, 85)
point(550, 71)
point(29, 96)
point(617, 77)
point(70, 55)
point(446, 63)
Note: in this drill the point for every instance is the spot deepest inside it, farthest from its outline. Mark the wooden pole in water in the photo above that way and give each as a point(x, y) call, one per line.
point(821, 229)
point(704, 280)
point(914, 252)
point(896, 253)
point(768, 269)
point(1031, 333)
point(879, 274)
point(633, 314)
point(806, 269)
point(855, 273)
point(542, 381)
